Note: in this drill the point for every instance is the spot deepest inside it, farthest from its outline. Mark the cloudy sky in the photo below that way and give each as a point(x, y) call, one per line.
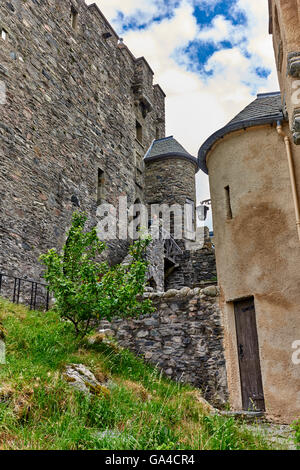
point(211, 57)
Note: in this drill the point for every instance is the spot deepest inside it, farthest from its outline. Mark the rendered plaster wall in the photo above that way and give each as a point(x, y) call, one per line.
point(258, 254)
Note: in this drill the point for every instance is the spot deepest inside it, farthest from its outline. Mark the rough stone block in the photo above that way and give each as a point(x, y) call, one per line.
point(293, 67)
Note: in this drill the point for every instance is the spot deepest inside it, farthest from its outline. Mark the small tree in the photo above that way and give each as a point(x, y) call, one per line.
point(86, 290)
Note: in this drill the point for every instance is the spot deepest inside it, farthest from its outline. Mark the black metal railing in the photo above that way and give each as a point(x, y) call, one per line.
point(34, 294)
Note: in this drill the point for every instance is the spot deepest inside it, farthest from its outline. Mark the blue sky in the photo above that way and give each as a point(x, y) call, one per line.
point(211, 57)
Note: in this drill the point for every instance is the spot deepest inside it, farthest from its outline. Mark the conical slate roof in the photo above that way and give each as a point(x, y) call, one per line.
point(266, 105)
point(167, 147)
point(265, 109)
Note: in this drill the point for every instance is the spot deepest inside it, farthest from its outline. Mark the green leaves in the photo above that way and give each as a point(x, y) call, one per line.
point(87, 290)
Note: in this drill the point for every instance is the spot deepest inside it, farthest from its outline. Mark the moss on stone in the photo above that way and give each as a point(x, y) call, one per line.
point(98, 390)
point(2, 332)
point(69, 379)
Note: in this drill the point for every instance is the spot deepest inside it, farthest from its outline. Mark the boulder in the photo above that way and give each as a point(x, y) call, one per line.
point(82, 379)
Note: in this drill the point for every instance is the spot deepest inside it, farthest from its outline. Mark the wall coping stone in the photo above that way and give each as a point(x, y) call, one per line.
point(209, 291)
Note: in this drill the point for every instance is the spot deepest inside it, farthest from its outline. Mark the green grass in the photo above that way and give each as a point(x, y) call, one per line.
point(296, 427)
point(39, 410)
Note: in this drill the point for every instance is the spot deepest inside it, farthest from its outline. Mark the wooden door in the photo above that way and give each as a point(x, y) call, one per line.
point(248, 352)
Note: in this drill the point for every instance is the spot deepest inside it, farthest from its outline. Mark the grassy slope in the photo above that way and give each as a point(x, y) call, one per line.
point(39, 410)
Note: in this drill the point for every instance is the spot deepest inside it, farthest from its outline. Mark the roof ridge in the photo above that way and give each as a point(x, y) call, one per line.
point(265, 95)
point(163, 138)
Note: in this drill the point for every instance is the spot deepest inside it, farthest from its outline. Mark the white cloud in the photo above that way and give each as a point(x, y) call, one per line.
point(142, 10)
point(220, 30)
point(197, 103)
point(128, 7)
point(259, 41)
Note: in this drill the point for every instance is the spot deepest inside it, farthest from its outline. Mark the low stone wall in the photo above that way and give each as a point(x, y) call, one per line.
point(184, 338)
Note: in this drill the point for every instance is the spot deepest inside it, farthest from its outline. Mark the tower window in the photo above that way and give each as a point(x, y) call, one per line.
point(157, 133)
point(74, 17)
point(172, 224)
point(139, 132)
point(4, 34)
point(100, 186)
point(228, 203)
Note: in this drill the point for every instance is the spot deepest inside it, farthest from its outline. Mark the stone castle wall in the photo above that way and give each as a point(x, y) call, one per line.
point(170, 181)
point(194, 269)
point(74, 98)
point(184, 338)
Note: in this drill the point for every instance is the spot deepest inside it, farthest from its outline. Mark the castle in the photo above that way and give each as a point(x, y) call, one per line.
point(81, 114)
point(83, 123)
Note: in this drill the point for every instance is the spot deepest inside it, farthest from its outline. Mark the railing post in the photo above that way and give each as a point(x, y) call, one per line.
point(35, 292)
point(47, 299)
point(19, 289)
point(15, 289)
point(31, 297)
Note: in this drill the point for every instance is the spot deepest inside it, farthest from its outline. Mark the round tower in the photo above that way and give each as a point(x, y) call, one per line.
point(170, 191)
point(170, 173)
point(170, 176)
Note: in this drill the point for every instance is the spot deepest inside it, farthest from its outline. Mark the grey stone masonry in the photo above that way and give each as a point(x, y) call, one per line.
point(75, 94)
point(194, 269)
point(184, 338)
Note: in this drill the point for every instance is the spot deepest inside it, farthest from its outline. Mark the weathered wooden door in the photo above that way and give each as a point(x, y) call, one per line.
point(248, 352)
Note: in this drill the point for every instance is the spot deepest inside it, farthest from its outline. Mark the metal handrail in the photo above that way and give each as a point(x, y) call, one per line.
point(18, 281)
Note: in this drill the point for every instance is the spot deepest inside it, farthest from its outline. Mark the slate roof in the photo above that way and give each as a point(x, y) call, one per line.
point(265, 109)
point(167, 147)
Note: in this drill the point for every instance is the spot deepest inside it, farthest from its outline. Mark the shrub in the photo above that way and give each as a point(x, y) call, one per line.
point(296, 427)
point(86, 290)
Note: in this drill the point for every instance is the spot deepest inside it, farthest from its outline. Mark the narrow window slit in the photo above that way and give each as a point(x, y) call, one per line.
point(100, 186)
point(139, 132)
point(4, 34)
point(74, 18)
point(228, 203)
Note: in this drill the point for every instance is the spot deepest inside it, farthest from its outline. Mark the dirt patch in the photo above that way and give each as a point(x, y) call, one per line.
point(138, 390)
